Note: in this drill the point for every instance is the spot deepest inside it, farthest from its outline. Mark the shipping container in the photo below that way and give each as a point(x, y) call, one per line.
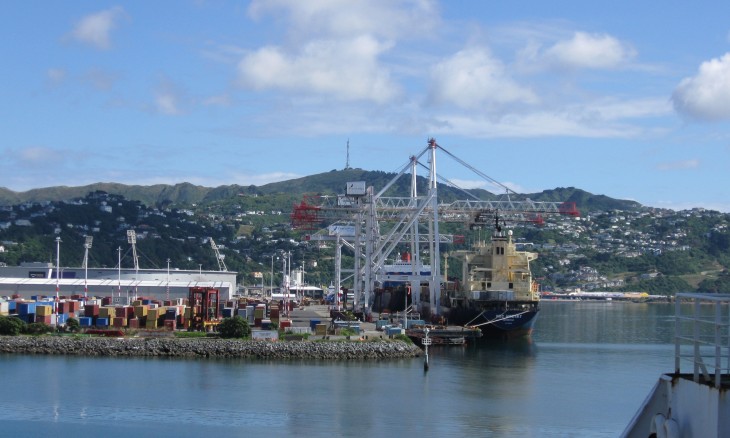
point(91, 310)
point(44, 310)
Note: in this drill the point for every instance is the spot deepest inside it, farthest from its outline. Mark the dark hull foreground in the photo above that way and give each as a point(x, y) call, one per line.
point(496, 323)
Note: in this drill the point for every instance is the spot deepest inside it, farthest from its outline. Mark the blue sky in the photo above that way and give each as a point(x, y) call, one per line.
point(627, 99)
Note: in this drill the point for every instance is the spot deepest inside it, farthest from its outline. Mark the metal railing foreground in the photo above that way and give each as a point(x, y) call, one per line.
point(702, 335)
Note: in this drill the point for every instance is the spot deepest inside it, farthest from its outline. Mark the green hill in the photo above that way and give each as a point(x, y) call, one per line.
point(332, 182)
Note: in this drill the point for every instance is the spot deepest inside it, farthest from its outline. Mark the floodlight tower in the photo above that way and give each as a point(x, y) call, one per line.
point(58, 275)
point(132, 240)
point(87, 246)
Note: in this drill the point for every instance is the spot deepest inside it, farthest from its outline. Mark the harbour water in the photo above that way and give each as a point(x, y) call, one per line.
point(584, 373)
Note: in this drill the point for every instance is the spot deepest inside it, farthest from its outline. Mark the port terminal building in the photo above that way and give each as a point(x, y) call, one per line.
point(33, 279)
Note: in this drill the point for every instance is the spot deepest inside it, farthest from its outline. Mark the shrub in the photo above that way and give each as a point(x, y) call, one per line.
point(11, 326)
point(38, 328)
point(72, 325)
point(235, 327)
point(347, 331)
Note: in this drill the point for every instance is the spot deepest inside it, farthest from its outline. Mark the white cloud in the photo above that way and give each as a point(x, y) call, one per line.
point(472, 78)
point(345, 69)
point(602, 119)
point(168, 98)
point(705, 96)
point(166, 103)
point(679, 165)
point(218, 100)
point(100, 79)
point(584, 50)
point(55, 75)
point(34, 155)
point(388, 19)
point(94, 29)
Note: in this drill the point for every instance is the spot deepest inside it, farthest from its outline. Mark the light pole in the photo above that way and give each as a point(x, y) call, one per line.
point(285, 285)
point(58, 273)
point(89, 240)
point(167, 292)
point(271, 278)
point(119, 273)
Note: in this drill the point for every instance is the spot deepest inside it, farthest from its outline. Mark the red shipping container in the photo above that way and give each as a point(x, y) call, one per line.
point(134, 323)
point(169, 324)
point(120, 312)
point(91, 310)
point(46, 319)
point(119, 322)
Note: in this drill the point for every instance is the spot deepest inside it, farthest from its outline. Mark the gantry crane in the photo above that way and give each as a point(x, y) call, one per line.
point(218, 256)
point(380, 223)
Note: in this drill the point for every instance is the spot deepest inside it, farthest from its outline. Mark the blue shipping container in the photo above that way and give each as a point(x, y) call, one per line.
point(85, 321)
point(313, 324)
point(26, 308)
point(102, 322)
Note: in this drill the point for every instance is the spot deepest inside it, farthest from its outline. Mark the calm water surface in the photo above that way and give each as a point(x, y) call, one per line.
point(584, 373)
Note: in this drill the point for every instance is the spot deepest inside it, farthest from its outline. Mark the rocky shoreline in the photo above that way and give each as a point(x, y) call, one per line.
point(207, 348)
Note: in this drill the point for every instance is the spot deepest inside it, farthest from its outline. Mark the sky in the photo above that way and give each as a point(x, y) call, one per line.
point(625, 99)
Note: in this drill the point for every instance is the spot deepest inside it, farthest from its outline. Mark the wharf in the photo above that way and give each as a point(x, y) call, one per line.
point(440, 335)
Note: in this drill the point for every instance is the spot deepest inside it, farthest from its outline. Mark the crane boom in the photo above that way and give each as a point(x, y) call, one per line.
point(218, 256)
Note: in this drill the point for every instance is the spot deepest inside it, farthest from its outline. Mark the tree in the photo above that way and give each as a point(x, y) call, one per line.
point(11, 326)
point(72, 324)
point(235, 327)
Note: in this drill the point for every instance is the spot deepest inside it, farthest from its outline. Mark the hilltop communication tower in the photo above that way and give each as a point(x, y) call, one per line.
point(347, 163)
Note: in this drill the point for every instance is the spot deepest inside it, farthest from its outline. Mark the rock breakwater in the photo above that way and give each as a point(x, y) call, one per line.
point(207, 348)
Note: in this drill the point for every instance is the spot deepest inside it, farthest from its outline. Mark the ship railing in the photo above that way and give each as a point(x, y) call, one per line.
point(702, 336)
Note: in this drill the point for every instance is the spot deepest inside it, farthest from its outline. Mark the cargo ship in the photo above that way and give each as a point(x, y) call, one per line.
point(496, 292)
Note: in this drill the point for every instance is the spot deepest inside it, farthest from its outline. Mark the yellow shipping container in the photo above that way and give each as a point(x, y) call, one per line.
point(320, 329)
point(44, 310)
point(107, 312)
point(140, 311)
point(151, 323)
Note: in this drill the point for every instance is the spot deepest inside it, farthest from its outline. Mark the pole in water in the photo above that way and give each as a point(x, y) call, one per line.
point(426, 341)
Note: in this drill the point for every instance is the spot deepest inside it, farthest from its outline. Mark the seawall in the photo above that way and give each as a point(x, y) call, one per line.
point(208, 348)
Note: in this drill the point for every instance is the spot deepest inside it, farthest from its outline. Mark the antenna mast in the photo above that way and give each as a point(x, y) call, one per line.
point(347, 163)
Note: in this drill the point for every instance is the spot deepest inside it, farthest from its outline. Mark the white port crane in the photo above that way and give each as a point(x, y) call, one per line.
point(380, 223)
point(219, 257)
